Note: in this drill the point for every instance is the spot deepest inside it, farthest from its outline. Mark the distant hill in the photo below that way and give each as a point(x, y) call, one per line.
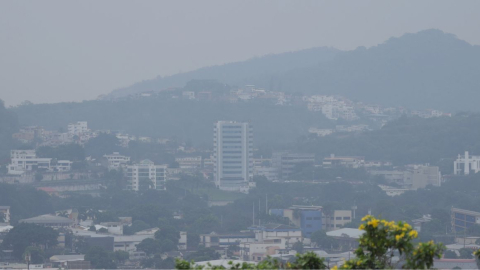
point(238, 73)
point(428, 69)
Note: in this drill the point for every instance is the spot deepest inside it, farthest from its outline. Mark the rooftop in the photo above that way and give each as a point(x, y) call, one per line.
point(274, 227)
point(47, 219)
point(346, 232)
point(67, 258)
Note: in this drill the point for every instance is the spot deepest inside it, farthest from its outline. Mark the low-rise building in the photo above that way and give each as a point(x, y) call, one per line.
point(285, 163)
point(26, 160)
point(189, 163)
point(146, 175)
point(116, 161)
point(225, 239)
point(349, 162)
point(463, 219)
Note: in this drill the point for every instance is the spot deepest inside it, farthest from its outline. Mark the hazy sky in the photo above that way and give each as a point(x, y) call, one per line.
point(53, 51)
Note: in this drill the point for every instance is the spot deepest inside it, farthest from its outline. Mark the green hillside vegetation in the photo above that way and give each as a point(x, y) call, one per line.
point(184, 119)
point(407, 140)
point(424, 70)
point(238, 73)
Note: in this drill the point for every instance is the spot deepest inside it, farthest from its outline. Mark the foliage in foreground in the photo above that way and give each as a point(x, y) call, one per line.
point(379, 244)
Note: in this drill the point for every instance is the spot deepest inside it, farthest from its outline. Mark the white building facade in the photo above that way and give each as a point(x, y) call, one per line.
point(146, 175)
point(466, 164)
point(26, 160)
point(78, 128)
point(233, 155)
point(115, 160)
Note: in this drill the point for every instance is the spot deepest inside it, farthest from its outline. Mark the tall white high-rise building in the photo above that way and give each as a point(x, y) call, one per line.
point(233, 155)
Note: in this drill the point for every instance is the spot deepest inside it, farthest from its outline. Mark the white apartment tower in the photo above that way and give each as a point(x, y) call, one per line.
point(233, 155)
point(78, 128)
point(146, 175)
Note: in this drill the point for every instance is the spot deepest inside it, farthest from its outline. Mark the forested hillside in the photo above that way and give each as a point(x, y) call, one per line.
point(408, 140)
point(187, 120)
point(238, 73)
point(426, 70)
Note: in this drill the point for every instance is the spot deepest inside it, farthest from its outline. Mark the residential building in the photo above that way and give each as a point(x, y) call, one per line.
point(412, 176)
point(466, 164)
point(116, 161)
point(269, 238)
point(285, 163)
point(62, 166)
point(463, 219)
point(189, 163)
point(336, 219)
point(129, 243)
point(233, 155)
point(5, 215)
point(308, 218)
point(77, 128)
point(113, 227)
point(225, 239)
point(182, 242)
point(146, 175)
point(349, 162)
point(26, 160)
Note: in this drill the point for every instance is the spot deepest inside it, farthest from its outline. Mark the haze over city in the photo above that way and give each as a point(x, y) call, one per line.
point(239, 135)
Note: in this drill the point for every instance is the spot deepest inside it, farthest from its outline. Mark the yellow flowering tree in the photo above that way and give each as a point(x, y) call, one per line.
point(383, 240)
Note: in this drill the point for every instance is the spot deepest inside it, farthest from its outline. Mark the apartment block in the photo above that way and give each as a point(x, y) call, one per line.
point(285, 163)
point(146, 175)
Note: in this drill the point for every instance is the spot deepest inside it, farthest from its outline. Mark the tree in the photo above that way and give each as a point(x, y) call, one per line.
point(102, 144)
point(121, 256)
point(308, 260)
point(100, 259)
point(203, 254)
point(465, 253)
point(24, 235)
point(382, 239)
point(149, 246)
point(322, 240)
point(36, 255)
point(450, 254)
point(298, 247)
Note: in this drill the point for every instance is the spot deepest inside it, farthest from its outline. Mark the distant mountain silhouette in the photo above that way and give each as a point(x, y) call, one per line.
point(428, 69)
point(238, 73)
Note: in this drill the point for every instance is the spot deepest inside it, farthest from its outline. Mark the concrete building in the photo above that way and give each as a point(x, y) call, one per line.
point(466, 164)
point(269, 238)
point(116, 161)
point(285, 163)
point(337, 219)
point(463, 219)
point(26, 160)
point(226, 239)
point(5, 214)
point(349, 162)
point(189, 163)
point(146, 175)
point(308, 218)
point(113, 227)
point(233, 155)
point(77, 128)
point(412, 176)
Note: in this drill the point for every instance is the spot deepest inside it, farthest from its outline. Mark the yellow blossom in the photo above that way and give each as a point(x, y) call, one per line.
point(362, 227)
point(366, 217)
point(413, 234)
point(373, 222)
point(334, 267)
